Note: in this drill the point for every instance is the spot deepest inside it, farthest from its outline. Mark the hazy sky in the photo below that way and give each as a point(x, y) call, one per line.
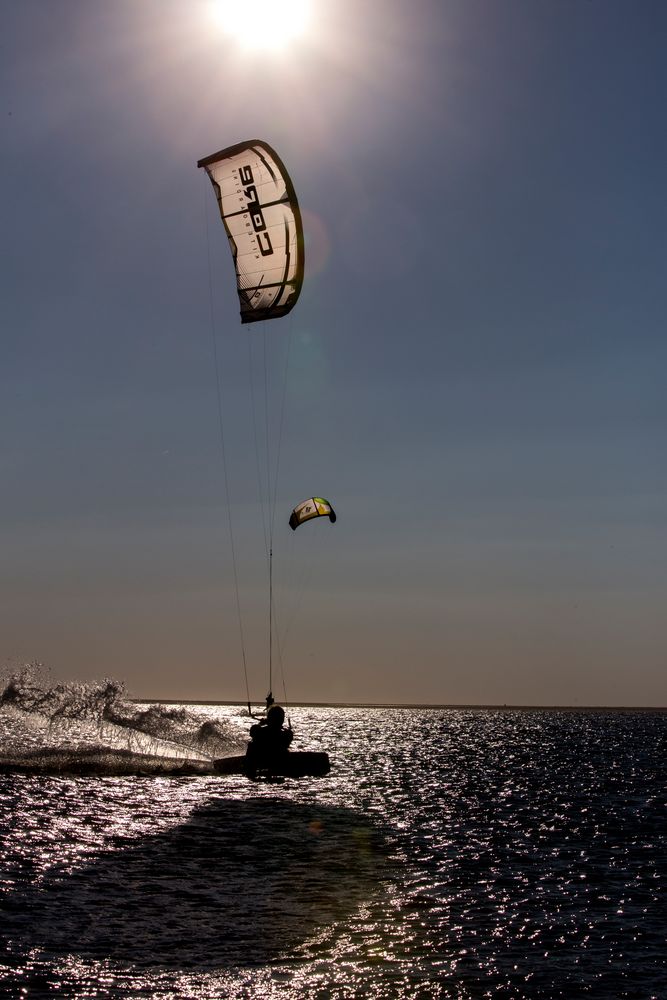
point(477, 365)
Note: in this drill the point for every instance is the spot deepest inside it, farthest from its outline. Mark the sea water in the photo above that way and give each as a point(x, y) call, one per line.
point(450, 853)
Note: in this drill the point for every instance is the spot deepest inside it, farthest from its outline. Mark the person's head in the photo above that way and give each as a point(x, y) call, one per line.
point(275, 716)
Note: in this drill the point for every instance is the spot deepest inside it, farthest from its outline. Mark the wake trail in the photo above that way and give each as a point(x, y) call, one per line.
point(94, 729)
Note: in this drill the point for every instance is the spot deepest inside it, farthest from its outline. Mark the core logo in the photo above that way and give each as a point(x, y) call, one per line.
point(255, 211)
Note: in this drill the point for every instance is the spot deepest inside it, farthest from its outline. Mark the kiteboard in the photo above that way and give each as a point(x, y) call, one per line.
point(295, 764)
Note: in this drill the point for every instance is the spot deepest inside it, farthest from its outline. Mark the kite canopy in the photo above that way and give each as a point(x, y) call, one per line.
point(313, 507)
point(261, 215)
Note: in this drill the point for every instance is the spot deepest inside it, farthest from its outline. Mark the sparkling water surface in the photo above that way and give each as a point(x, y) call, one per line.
point(450, 853)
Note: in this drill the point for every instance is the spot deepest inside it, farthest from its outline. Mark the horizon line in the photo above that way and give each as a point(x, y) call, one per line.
point(413, 705)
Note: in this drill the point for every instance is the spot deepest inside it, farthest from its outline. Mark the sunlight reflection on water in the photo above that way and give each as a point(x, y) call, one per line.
point(449, 853)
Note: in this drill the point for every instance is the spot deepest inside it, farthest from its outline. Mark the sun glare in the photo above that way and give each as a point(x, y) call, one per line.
point(263, 24)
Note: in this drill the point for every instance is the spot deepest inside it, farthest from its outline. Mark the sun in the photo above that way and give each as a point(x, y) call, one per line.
point(263, 24)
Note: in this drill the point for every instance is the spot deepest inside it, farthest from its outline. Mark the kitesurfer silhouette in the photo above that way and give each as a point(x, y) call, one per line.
point(269, 742)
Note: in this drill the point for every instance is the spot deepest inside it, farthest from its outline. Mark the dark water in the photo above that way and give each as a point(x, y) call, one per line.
point(462, 854)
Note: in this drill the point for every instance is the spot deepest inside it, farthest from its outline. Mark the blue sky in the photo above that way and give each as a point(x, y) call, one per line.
point(476, 371)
